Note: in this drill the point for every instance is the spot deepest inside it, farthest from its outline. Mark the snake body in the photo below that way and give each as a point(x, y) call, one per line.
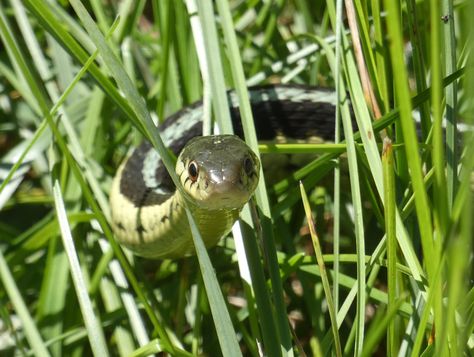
point(218, 173)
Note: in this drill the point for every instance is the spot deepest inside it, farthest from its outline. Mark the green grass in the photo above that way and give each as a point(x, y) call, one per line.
point(387, 268)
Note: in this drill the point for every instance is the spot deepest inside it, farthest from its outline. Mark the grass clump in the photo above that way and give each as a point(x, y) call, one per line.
point(387, 268)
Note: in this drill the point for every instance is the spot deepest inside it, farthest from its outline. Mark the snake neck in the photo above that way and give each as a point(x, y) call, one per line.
point(212, 224)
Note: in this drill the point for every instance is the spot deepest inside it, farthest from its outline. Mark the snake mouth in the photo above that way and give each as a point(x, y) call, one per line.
point(225, 195)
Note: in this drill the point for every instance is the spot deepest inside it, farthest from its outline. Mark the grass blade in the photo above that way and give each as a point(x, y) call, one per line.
point(390, 228)
point(411, 143)
point(93, 326)
point(261, 194)
point(322, 269)
point(29, 326)
point(225, 331)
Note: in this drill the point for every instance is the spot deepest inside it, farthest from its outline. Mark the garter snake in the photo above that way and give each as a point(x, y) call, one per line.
point(218, 173)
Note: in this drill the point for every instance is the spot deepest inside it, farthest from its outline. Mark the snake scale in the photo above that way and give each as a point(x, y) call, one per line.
point(218, 173)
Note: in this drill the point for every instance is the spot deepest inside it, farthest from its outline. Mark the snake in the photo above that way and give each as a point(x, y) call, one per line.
point(218, 173)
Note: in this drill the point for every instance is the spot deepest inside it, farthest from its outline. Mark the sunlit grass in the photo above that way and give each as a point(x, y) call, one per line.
point(82, 82)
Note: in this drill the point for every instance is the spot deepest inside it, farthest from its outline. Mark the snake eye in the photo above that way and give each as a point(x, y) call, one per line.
point(248, 166)
point(193, 171)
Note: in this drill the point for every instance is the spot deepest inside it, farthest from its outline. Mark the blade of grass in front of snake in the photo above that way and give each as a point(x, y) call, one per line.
point(282, 332)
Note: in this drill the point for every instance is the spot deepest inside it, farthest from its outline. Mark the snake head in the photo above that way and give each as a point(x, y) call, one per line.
point(218, 172)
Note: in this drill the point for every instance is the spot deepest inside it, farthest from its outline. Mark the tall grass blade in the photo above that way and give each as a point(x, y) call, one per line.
point(93, 325)
point(33, 336)
point(261, 194)
point(411, 143)
point(223, 323)
point(390, 228)
point(322, 269)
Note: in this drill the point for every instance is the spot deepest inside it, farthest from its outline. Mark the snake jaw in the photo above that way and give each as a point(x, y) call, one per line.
point(228, 172)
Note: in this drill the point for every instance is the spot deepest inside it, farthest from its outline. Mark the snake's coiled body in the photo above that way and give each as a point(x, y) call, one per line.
point(220, 173)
